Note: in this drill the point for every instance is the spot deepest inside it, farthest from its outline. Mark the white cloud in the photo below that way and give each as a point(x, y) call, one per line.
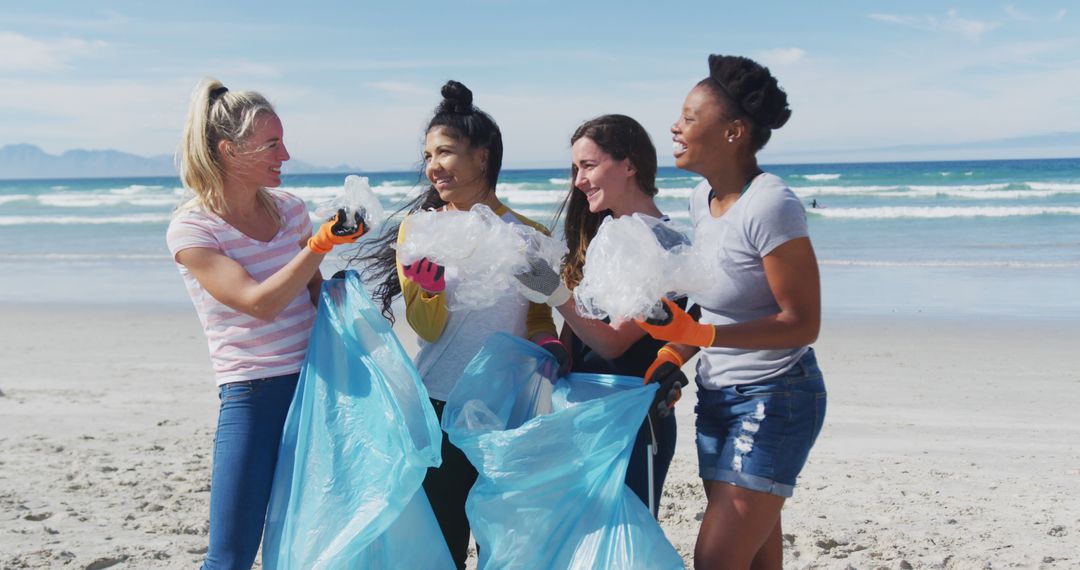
point(880, 96)
point(781, 56)
point(334, 127)
point(1048, 53)
point(23, 53)
point(1016, 14)
point(973, 30)
point(929, 100)
point(894, 19)
point(134, 116)
point(1021, 16)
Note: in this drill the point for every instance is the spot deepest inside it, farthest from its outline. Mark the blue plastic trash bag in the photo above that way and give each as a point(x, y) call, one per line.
point(552, 463)
point(358, 440)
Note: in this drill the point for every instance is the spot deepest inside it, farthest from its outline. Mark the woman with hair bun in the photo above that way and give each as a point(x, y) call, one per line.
point(761, 396)
point(462, 158)
point(251, 265)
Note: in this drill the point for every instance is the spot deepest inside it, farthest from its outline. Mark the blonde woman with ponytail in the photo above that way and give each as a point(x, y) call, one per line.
point(251, 265)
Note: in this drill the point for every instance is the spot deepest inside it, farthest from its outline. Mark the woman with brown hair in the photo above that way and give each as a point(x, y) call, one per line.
point(613, 174)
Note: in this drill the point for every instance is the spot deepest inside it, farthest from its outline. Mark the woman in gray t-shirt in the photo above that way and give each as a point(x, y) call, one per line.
point(761, 396)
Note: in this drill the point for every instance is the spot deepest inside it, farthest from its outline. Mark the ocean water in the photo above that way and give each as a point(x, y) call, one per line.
point(948, 239)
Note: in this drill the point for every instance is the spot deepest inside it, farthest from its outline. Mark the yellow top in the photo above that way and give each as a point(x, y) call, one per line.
point(427, 313)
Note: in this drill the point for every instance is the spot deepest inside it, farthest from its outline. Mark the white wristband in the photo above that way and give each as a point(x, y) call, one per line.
point(559, 297)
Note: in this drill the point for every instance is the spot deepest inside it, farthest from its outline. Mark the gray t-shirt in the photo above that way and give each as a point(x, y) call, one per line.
point(767, 215)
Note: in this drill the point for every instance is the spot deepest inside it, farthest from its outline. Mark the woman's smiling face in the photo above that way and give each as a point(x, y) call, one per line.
point(604, 180)
point(455, 169)
point(258, 158)
point(699, 132)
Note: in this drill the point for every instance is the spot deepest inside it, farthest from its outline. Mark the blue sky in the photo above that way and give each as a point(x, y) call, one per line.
point(355, 83)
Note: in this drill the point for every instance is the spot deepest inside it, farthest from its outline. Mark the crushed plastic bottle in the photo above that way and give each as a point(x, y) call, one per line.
point(356, 197)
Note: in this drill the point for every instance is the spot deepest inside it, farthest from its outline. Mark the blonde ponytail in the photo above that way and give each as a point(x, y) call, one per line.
point(214, 115)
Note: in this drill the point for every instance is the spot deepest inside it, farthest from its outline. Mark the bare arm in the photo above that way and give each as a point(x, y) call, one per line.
point(315, 285)
point(792, 272)
point(228, 281)
point(608, 341)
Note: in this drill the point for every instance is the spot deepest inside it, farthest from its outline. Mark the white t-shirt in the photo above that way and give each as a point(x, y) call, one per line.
point(767, 215)
point(442, 362)
point(243, 347)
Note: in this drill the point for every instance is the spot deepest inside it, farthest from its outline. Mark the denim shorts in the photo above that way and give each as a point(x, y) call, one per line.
point(758, 436)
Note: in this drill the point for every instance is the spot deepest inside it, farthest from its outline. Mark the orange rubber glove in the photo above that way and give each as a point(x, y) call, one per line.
point(666, 370)
point(665, 354)
point(679, 327)
point(336, 232)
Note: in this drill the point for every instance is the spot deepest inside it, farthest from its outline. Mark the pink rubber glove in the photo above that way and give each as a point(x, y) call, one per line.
point(427, 274)
point(556, 348)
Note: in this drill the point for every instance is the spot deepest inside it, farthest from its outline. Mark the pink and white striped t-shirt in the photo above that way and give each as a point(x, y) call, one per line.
point(243, 347)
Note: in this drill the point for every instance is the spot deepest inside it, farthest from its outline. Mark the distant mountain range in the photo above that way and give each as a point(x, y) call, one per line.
point(21, 161)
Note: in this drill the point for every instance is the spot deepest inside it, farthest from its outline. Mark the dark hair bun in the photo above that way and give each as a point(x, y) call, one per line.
point(751, 88)
point(456, 99)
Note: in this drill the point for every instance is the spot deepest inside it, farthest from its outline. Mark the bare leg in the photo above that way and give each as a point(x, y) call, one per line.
point(771, 554)
point(737, 524)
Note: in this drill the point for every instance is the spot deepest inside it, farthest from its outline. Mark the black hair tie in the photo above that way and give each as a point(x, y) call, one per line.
point(218, 92)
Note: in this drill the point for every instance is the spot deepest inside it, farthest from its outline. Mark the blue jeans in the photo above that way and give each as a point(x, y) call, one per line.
point(250, 422)
point(758, 436)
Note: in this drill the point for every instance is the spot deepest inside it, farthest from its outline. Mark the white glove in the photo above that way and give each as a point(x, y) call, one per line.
point(542, 284)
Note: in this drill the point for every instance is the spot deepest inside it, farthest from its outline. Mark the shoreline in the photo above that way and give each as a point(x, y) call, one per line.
point(948, 443)
point(837, 317)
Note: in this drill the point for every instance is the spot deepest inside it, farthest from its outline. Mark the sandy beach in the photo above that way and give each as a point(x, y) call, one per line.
point(948, 444)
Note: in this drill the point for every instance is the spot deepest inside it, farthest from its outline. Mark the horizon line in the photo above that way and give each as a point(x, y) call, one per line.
point(765, 164)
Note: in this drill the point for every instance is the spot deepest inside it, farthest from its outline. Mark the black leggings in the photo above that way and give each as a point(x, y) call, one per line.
point(447, 486)
point(637, 472)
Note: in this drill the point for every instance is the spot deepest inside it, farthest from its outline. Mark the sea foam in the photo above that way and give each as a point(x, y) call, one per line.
point(945, 212)
point(1004, 264)
point(15, 198)
point(81, 220)
point(86, 200)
